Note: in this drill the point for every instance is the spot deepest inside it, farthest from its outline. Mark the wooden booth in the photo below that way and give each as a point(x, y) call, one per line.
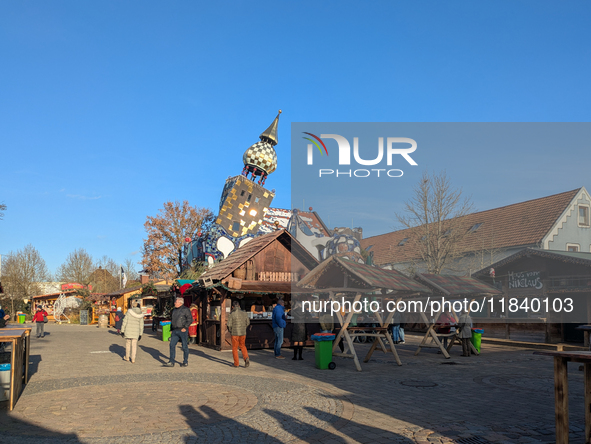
point(451, 289)
point(344, 280)
point(535, 280)
point(260, 271)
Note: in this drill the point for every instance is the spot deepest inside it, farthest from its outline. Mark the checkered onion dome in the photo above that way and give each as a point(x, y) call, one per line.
point(261, 155)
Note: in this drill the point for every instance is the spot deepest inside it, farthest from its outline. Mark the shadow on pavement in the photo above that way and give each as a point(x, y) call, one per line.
point(200, 422)
point(34, 361)
point(156, 354)
point(118, 349)
point(15, 431)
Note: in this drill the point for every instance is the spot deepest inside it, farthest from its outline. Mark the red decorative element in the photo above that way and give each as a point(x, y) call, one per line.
point(199, 234)
point(187, 239)
point(185, 287)
point(492, 272)
point(310, 208)
point(71, 286)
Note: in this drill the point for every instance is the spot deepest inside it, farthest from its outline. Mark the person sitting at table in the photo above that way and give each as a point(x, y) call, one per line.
point(444, 323)
point(4, 321)
point(258, 307)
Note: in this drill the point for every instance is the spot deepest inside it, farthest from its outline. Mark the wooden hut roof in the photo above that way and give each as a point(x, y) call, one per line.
point(569, 257)
point(456, 285)
point(239, 257)
point(360, 276)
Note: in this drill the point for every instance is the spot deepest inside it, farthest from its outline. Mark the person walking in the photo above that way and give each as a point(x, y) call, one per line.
point(39, 319)
point(119, 319)
point(299, 333)
point(465, 326)
point(237, 323)
point(181, 319)
point(279, 323)
point(132, 327)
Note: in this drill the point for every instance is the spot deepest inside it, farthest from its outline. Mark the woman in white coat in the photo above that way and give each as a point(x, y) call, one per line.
point(132, 329)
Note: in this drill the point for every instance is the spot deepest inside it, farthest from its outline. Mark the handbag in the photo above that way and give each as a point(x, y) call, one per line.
point(44, 319)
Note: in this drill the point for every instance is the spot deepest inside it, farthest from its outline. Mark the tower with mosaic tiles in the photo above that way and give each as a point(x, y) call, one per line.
point(243, 203)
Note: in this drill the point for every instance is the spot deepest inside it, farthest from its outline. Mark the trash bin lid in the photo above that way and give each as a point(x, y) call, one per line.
point(478, 330)
point(323, 337)
point(4, 367)
point(165, 322)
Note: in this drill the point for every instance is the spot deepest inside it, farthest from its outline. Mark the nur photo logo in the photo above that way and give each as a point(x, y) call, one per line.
point(394, 146)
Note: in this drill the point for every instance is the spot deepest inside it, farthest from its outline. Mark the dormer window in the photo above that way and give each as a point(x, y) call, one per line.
point(474, 228)
point(403, 241)
point(583, 219)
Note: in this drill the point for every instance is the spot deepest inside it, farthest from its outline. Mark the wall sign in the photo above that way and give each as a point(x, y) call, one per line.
point(525, 279)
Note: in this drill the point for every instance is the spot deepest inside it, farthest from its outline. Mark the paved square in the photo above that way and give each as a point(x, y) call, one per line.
point(81, 390)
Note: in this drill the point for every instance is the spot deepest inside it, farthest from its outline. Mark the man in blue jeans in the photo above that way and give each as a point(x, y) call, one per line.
point(179, 331)
point(279, 324)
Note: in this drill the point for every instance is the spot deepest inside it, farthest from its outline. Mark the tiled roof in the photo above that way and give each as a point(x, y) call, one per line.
point(363, 276)
point(227, 266)
point(456, 285)
point(520, 224)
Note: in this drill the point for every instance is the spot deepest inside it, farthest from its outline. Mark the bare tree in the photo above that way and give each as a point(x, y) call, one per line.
point(2, 210)
point(434, 215)
point(22, 272)
point(77, 267)
point(130, 267)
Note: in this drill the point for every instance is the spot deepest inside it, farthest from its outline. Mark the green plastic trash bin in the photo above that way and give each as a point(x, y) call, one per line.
point(165, 330)
point(477, 338)
point(323, 350)
point(21, 318)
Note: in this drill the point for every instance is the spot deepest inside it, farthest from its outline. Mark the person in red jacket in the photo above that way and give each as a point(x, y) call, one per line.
point(38, 319)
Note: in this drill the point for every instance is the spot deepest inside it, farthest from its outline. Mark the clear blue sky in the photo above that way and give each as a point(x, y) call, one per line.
point(108, 109)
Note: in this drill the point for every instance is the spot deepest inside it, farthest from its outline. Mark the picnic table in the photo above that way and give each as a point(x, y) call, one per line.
point(18, 338)
point(379, 334)
point(434, 336)
point(561, 360)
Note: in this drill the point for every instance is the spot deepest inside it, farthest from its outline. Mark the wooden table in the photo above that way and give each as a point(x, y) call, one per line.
point(17, 336)
point(27, 347)
point(561, 360)
point(435, 342)
point(378, 333)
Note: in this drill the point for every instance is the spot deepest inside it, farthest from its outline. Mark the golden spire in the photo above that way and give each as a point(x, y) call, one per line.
point(270, 134)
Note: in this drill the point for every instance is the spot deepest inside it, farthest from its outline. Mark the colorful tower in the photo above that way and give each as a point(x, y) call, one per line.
point(243, 203)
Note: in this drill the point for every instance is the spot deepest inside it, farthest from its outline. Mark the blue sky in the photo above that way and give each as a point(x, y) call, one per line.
point(109, 109)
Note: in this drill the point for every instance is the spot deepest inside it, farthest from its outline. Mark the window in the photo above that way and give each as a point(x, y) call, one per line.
point(235, 226)
point(248, 198)
point(403, 241)
point(573, 247)
point(242, 193)
point(583, 216)
point(474, 228)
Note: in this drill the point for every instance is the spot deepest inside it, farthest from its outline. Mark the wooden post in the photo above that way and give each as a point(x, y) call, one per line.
point(587, 368)
point(561, 399)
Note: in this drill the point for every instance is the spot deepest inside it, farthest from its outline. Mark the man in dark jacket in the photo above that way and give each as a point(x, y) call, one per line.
point(179, 331)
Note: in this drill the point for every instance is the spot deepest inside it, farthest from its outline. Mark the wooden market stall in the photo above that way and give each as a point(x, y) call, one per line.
point(265, 268)
point(353, 282)
point(47, 301)
point(451, 289)
point(534, 280)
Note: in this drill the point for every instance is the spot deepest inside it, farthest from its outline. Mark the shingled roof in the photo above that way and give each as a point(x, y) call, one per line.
point(456, 285)
point(237, 258)
point(520, 224)
point(360, 276)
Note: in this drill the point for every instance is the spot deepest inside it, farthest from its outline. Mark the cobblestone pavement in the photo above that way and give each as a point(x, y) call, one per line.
point(82, 391)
